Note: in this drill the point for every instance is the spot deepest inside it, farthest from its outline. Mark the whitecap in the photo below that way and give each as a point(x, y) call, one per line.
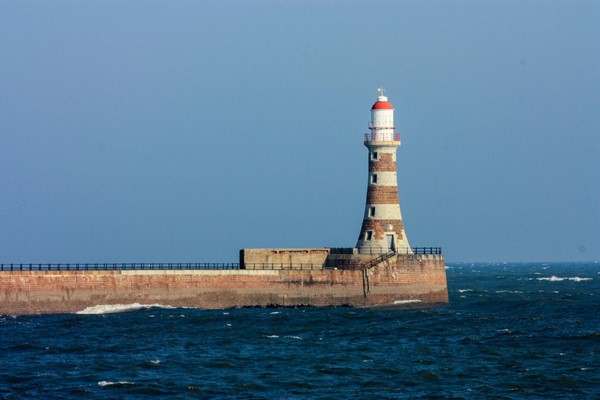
point(109, 383)
point(407, 301)
point(559, 279)
point(273, 336)
point(117, 308)
point(155, 362)
point(464, 290)
point(276, 312)
point(293, 337)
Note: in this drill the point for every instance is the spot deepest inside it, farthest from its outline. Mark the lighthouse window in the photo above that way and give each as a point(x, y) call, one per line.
point(371, 211)
point(374, 155)
point(374, 178)
point(369, 235)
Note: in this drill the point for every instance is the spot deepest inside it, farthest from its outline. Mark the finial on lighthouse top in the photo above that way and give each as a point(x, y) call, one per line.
point(382, 101)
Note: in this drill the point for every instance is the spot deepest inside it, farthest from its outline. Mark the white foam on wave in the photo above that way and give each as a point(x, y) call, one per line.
point(118, 308)
point(109, 383)
point(293, 337)
point(272, 336)
point(407, 301)
point(509, 291)
point(559, 279)
point(464, 290)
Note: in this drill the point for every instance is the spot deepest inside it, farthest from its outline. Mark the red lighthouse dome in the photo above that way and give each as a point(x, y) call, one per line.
point(382, 104)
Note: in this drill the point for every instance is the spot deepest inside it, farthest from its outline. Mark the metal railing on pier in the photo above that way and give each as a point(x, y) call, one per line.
point(427, 250)
point(116, 266)
point(383, 250)
point(153, 266)
point(380, 251)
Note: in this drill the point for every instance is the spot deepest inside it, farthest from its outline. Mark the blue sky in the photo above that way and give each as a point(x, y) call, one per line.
point(184, 131)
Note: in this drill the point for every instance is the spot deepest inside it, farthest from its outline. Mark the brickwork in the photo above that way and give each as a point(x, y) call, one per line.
point(385, 163)
point(378, 225)
point(38, 292)
point(382, 194)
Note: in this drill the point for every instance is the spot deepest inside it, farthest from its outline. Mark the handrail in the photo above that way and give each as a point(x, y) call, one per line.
point(382, 252)
point(427, 250)
point(154, 266)
point(114, 266)
point(382, 137)
point(379, 260)
point(369, 264)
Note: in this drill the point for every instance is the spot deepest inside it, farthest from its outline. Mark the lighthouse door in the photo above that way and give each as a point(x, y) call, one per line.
point(390, 242)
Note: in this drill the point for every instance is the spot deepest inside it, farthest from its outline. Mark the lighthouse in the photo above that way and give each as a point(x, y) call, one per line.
point(382, 229)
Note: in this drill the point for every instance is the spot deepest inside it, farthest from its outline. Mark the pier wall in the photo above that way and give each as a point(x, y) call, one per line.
point(407, 277)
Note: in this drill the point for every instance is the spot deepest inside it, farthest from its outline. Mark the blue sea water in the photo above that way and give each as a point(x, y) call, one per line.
point(511, 331)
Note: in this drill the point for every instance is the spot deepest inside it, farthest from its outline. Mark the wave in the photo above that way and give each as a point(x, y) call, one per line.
point(559, 279)
point(118, 308)
point(406, 301)
point(510, 291)
point(120, 383)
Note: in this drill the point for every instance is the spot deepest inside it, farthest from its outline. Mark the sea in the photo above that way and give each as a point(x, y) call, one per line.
point(510, 331)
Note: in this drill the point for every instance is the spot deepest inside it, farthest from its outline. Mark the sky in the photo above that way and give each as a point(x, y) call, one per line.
point(183, 131)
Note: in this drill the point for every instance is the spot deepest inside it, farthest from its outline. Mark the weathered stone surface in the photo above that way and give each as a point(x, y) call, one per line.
point(278, 258)
point(403, 278)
